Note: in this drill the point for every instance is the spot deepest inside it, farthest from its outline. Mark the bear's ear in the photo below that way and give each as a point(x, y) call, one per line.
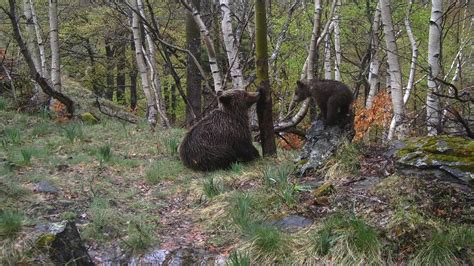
point(225, 99)
point(299, 83)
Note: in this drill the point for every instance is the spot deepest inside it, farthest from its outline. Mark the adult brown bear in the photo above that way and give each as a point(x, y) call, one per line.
point(222, 137)
point(332, 97)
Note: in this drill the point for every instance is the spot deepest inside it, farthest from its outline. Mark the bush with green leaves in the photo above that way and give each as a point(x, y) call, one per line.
point(11, 223)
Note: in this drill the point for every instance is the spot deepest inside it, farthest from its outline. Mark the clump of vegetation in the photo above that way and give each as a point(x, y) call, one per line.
point(139, 235)
point(450, 247)
point(172, 145)
point(27, 154)
point(73, 131)
point(277, 178)
point(105, 221)
point(238, 259)
point(348, 240)
point(212, 187)
point(11, 223)
point(163, 170)
point(11, 188)
point(268, 240)
point(13, 134)
point(240, 212)
point(346, 161)
point(236, 168)
point(104, 153)
point(41, 129)
point(3, 104)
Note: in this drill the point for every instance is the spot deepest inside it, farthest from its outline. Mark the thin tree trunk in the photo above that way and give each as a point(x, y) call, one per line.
point(211, 51)
point(414, 55)
point(45, 86)
point(337, 43)
point(121, 79)
point(54, 39)
point(230, 44)
point(375, 62)
point(150, 55)
point(264, 104)
point(313, 48)
point(434, 61)
point(39, 39)
point(109, 77)
point(193, 77)
point(327, 57)
point(142, 67)
point(394, 67)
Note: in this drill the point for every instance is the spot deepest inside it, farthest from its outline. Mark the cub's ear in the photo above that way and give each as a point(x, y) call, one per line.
point(225, 99)
point(300, 83)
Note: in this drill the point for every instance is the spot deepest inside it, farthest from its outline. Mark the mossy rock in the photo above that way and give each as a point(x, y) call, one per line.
point(452, 155)
point(324, 190)
point(89, 118)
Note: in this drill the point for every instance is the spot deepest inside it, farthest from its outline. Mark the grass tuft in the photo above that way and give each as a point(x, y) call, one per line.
point(27, 154)
point(140, 235)
point(163, 170)
point(3, 104)
point(269, 240)
point(241, 211)
point(13, 134)
point(172, 144)
point(238, 259)
point(104, 153)
point(73, 131)
point(212, 187)
point(11, 223)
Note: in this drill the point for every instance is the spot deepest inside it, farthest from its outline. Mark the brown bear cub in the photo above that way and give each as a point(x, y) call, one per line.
point(332, 97)
point(223, 137)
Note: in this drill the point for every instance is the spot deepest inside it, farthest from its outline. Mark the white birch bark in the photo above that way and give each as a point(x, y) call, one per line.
point(327, 57)
point(54, 40)
point(313, 48)
point(230, 44)
point(375, 62)
point(142, 67)
point(30, 40)
point(211, 52)
point(414, 55)
point(153, 70)
point(434, 54)
point(394, 67)
point(337, 43)
point(39, 39)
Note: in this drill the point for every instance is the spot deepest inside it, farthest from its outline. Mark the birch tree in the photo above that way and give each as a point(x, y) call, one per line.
point(327, 57)
point(434, 62)
point(375, 62)
point(337, 42)
point(393, 67)
point(54, 42)
point(230, 44)
point(142, 66)
point(193, 78)
point(39, 39)
point(414, 54)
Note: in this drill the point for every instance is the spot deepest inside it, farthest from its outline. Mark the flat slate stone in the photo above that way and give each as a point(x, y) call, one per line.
point(46, 187)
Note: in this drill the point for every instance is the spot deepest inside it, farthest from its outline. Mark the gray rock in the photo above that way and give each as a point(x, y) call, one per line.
point(45, 186)
point(292, 223)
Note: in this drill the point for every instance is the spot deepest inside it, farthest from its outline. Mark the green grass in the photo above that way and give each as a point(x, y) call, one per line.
point(73, 131)
point(172, 144)
point(3, 104)
point(240, 211)
point(27, 155)
point(348, 240)
point(9, 187)
point(41, 129)
point(105, 221)
point(212, 187)
point(448, 247)
point(277, 178)
point(163, 170)
point(104, 153)
point(140, 236)
point(236, 168)
point(11, 223)
point(268, 240)
point(13, 134)
point(238, 259)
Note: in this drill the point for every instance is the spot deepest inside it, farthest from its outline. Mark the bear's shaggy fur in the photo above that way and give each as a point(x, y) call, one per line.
point(222, 137)
point(332, 97)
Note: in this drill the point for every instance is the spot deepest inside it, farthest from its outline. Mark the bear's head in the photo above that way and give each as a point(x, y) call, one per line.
point(236, 100)
point(302, 90)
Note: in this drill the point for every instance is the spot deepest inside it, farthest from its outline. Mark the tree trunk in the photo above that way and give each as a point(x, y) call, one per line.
point(414, 55)
point(121, 80)
point(375, 62)
point(394, 67)
point(109, 77)
point(230, 44)
point(264, 104)
point(313, 48)
point(54, 39)
point(337, 43)
point(45, 86)
point(39, 39)
point(327, 57)
point(434, 62)
point(193, 77)
point(142, 67)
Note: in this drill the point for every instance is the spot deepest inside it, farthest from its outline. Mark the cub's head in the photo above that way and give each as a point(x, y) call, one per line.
point(236, 100)
point(302, 90)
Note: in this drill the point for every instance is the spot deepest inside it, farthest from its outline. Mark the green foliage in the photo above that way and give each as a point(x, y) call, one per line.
point(105, 220)
point(11, 223)
point(269, 240)
point(11, 188)
point(41, 129)
point(348, 239)
point(140, 235)
point(236, 168)
point(70, 216)
point(13, 134)
point(238, 259)
point(172, 144)
point(212, 187)
point(3, 104)
point(240, 211)
point(278, 179)
point(162, 170)
point(348, 157)
point(104, 153)
point(27, 154)
point(446, 248)
point(73, 131)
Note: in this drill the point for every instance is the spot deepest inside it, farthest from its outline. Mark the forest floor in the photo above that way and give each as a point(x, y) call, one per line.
point(130, 196)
